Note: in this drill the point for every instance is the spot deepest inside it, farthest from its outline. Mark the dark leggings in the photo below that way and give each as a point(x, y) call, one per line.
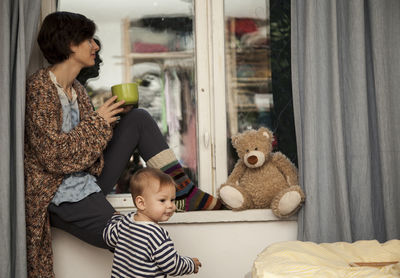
point(87, 218)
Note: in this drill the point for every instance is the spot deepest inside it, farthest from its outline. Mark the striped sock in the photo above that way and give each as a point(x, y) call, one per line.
point(194, 198)
point(183, 184)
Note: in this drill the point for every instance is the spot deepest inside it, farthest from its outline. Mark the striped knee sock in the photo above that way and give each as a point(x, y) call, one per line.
point(194, 198)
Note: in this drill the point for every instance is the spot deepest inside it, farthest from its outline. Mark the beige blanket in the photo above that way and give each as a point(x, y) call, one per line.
point(307, 259)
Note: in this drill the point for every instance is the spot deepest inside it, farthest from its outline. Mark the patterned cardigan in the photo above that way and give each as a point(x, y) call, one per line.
point(49, 155)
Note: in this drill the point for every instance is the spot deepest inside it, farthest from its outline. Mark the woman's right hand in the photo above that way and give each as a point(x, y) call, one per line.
point(110, 109)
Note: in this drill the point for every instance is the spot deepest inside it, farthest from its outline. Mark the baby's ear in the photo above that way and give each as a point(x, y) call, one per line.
point(139, 202)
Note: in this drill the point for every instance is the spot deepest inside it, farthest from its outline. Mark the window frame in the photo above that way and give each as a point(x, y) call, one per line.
point(210, 43)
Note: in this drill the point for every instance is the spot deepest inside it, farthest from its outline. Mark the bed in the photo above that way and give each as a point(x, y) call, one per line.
point(364, 258)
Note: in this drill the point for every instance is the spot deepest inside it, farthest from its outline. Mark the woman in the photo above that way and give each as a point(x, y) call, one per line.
point(73, 155)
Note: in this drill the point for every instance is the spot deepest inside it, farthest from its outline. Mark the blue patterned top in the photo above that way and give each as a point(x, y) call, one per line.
point(75, 186)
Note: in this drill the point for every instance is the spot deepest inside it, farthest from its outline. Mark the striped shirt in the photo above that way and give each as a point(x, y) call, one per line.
point(143, 249)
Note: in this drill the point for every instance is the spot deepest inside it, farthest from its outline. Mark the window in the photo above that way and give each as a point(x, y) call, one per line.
point(206, 69)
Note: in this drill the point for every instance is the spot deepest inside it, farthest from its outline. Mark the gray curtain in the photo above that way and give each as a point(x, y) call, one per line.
point(346, 91)
point(18, 27)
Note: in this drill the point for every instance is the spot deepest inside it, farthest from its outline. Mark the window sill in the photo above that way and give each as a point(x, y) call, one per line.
point(124, 204)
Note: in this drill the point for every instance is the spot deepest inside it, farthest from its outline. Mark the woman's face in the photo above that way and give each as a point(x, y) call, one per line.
point(85, 53)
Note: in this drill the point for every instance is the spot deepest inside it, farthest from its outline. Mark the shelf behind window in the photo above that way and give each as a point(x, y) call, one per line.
point(162, 55)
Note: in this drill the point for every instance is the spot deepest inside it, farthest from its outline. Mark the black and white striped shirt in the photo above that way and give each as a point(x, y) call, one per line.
point(143, 249)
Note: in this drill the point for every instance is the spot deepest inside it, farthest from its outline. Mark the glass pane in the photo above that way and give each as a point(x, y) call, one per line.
point(248, 68)
point(151, 42)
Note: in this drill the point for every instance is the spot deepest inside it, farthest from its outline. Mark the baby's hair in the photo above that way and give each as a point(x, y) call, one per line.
point(144, 177)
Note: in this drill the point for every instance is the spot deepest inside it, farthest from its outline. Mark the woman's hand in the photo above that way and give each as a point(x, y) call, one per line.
point(110, 109)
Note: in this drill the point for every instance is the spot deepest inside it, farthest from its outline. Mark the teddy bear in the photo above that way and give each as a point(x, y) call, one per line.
point(261, 178)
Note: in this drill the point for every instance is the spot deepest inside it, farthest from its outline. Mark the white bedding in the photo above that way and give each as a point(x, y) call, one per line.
point(308, 259)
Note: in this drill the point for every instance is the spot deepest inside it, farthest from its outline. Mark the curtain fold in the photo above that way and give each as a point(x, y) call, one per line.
point(18, 28)
point(346, 80)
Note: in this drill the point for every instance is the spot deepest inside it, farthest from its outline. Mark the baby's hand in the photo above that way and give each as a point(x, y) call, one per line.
point(197, 264)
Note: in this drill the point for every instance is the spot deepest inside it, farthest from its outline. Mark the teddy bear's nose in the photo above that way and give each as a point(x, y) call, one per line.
point(252, 159)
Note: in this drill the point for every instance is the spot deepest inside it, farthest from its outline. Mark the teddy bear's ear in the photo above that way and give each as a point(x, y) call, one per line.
point(265, 132)
point(235, 140)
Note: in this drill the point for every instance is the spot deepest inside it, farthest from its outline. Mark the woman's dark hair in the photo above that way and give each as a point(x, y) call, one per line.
point(61, 29)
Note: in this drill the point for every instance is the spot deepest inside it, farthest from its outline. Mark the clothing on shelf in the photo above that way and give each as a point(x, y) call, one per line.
point(142, 47)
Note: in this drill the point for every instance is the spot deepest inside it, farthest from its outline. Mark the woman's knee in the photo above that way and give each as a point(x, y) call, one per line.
point(138, 113)
point(140, 117)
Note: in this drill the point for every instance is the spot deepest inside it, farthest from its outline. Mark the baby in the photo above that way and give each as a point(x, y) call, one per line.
point(142, 247)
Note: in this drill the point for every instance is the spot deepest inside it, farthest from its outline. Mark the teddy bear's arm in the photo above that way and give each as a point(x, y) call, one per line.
point(287, 168)
point(237, 172)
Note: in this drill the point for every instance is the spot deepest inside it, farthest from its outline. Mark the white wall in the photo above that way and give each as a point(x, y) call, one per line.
point(226, 249)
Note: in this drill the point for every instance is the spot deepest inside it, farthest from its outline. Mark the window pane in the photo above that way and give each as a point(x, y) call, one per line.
point(151, 42)
point(248, 68)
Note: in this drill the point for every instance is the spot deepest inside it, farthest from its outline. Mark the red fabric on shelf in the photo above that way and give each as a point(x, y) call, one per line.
point(141, 47)
point(245, 25)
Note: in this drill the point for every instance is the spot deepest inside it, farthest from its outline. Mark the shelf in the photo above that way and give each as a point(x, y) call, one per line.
point(251, 79)
point(247, 49)
point(239, 85)
point(249, 106)
point(241, 91)
point(162, 55)
point(130, 58)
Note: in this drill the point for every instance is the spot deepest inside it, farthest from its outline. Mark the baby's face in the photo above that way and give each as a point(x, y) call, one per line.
point(159, 202)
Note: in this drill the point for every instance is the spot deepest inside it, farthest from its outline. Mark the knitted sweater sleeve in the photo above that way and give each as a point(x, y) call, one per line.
point(56, 151)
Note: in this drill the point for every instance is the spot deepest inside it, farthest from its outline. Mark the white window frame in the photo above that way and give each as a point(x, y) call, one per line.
point(211, 90)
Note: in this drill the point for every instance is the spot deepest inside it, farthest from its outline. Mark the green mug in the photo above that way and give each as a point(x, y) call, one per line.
point(128, 92)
